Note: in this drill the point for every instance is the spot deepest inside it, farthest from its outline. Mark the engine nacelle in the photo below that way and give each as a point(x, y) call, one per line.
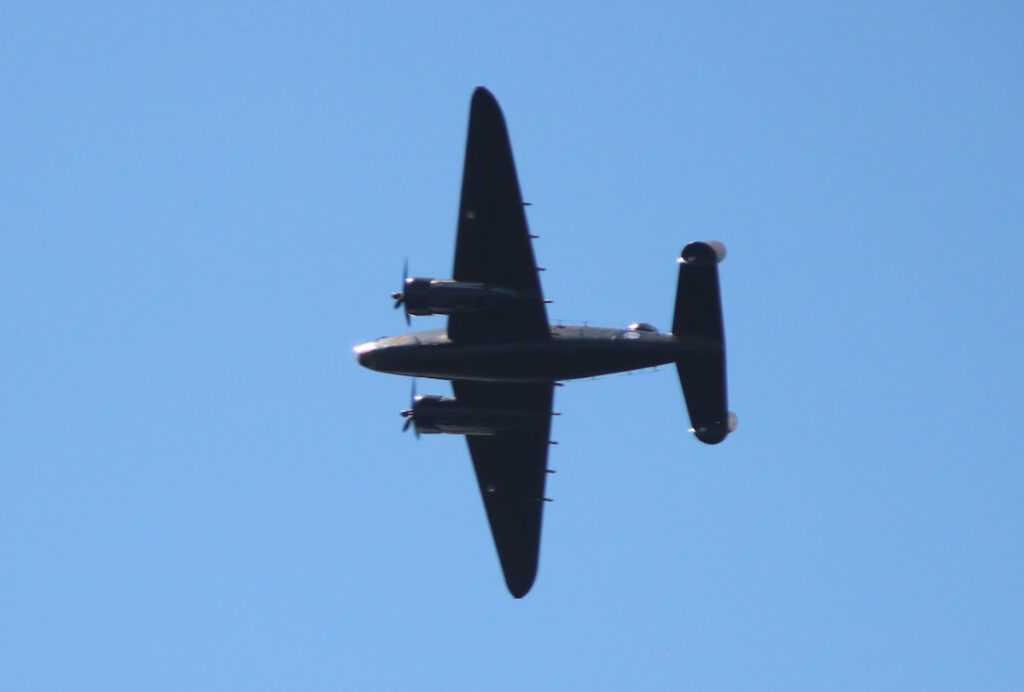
point(423, 296)
point(444, 414)
point(703, 253)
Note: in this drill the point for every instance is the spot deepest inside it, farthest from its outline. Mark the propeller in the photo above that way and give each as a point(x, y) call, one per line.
point(408, 414)
point(399, 296)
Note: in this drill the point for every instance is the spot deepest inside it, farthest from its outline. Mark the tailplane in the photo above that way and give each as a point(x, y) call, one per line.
point(698, 316)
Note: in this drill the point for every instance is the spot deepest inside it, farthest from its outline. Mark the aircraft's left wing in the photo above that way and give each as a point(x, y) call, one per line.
point(511, 469)
point(492, 246)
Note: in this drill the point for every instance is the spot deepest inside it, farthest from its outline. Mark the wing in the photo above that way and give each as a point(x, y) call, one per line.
point(511, 469)
point(493, 242)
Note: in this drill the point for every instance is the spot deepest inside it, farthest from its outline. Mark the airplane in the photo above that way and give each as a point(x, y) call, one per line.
point(504, 358)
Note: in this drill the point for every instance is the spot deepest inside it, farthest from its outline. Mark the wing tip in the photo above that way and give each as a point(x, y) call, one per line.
point(518, 590)
point(520, 578)
point(483, 97)
point(519, 574)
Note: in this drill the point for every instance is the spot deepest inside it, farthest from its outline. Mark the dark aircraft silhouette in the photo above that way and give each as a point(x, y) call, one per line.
point(504, 359)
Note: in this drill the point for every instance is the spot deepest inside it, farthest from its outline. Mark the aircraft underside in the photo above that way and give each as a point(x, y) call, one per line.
point(546, 361)
point(503, 357)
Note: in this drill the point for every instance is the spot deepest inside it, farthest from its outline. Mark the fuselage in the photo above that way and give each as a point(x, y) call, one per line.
point(569, 353)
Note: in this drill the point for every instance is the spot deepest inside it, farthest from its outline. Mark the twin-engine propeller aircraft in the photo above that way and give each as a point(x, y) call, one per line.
point(504, 359)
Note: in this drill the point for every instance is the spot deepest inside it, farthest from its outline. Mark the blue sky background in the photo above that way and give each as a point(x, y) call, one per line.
point(203, 207)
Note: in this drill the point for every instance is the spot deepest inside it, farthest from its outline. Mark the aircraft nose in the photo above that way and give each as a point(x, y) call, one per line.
point(366, 354)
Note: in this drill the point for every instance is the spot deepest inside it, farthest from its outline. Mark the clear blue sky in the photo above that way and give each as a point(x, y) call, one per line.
point(204, 206)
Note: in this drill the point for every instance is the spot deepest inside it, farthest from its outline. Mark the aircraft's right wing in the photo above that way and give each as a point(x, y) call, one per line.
point(511, 469)
point(493, 243)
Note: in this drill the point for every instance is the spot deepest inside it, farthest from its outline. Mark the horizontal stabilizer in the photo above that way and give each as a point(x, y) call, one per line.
point(698, 316)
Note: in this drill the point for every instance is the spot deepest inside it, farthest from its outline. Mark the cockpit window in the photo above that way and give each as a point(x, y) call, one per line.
point(641, 327)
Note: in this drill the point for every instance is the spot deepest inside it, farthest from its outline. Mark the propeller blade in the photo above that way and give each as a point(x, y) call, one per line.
point(412, 404)
point(409, 413)
point(399, 296)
